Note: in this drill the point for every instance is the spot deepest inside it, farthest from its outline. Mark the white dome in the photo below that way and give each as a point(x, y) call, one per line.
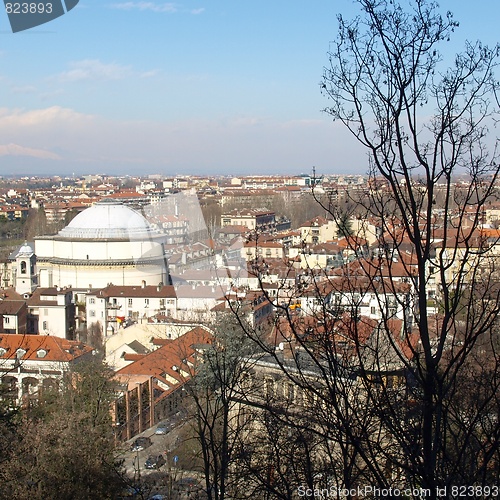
point(25, 250)
point(108, 220)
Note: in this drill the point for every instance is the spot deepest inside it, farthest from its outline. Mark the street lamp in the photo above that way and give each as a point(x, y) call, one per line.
point(137, 467)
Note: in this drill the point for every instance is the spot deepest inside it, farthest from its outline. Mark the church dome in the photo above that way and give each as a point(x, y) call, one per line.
point(25, 250)
point(108, 220)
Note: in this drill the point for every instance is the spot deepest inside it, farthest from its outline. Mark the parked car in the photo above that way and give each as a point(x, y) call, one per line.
point(141, 443)
point(154, 462)
point(163, 428)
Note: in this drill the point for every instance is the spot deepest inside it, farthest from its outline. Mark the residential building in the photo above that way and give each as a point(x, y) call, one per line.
point(31, 365)
point(153, 384)
point(113, 305)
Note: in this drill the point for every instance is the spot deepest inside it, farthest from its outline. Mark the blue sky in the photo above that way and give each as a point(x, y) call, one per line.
point(199, 87)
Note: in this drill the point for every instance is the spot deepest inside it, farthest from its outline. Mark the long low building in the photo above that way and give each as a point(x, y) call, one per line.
point(152, 384)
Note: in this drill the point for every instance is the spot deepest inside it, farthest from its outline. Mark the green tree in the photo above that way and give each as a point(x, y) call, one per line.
point(36, 223)
point(344, 225)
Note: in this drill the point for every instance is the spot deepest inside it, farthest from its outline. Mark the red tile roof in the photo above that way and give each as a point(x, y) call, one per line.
point(164, 291)
point(169, 359)
point(56, 348)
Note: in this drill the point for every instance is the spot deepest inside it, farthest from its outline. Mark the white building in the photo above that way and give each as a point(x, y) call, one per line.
point(113, 305)
point(25, 270)
point(360, 296)
point(51, 312)
point(106, 243)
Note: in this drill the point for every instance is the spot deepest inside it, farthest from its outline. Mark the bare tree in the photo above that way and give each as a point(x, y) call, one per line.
point(64, 447)
point(397, 353)
point(216, 388)
point(424, 126)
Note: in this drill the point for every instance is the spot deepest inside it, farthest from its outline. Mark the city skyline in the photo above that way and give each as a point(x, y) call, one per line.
point(129, 87)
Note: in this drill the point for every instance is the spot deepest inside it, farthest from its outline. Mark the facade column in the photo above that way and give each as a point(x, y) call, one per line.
point(127, 414)
point(151, 403)
point(139, 405)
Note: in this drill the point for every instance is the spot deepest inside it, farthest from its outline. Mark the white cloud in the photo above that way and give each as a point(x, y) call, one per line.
point(197, 11)
point(13, 119)
point(93, 69)
point(16, 150)
point(154, 7)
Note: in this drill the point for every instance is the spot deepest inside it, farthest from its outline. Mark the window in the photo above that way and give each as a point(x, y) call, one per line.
point(372, 310)
point(92, 300)
point(6, 320)
point(23, 267)
point(45, 325)
point(91, 314)
point(269, 387)
point(129, 302)
point(146, 302)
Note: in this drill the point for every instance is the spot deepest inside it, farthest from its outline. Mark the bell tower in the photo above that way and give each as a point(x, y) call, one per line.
point(26, 277)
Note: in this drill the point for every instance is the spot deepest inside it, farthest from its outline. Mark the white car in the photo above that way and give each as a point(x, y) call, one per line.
point(163, 428)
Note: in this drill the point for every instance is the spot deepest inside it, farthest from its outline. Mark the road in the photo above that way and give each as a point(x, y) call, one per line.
point(164, 480)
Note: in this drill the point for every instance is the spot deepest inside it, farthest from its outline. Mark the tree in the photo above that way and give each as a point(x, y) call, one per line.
point(216, 388)
point(423, 127)
point(64, 447)
point(397, 352)
point(344, 225)
point(36, 223)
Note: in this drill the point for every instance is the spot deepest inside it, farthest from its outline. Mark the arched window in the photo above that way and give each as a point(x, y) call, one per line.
point(23, 267)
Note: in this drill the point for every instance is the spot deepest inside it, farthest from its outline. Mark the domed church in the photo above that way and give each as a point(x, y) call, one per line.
point(106, 243)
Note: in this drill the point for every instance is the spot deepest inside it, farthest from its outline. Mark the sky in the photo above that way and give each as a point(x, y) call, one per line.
point(201, 87)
